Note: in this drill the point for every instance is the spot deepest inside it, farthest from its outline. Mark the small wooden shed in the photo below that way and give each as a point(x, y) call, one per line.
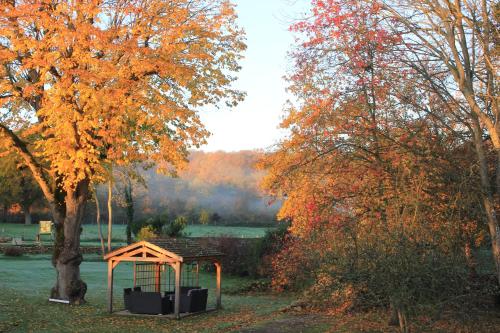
point(161, 252)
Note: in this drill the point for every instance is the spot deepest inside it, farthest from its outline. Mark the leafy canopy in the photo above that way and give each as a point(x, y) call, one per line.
point(100, 82)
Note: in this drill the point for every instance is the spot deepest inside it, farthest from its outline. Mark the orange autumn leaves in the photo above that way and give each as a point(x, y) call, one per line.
point(382, 195)
point(95, 83)
point(360, 151)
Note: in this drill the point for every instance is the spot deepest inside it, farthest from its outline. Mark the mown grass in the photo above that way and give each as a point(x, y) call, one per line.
point(25, 283)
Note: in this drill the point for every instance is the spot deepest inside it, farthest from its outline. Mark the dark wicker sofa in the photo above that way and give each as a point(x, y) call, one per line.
point(146, 302)
point(193, 299)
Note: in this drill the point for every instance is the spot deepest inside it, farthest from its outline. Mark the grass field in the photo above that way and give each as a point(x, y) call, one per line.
point(25, 283)
point(91, 237)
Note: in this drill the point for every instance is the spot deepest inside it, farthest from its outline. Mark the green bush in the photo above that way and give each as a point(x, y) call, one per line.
point(159, 225)
point(146, 233)
point(175, 228)
point(273, 241)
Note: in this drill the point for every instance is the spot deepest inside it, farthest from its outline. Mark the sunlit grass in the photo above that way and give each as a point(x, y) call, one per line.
point(26, 281)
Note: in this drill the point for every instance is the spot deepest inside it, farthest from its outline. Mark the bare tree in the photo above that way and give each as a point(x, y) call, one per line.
point(452, 45)
point(98, 220)
point(110, 211)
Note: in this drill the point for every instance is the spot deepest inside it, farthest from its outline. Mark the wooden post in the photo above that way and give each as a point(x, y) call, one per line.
point(218, 286)
point(135, 274)
point(157, 278)
point(177, 305)
point(110, 286)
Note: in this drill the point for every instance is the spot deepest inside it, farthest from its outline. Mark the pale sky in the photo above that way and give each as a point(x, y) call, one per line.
point(254, 123)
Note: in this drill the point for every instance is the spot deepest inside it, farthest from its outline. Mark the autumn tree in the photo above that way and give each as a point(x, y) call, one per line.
point(349, 112)
point(374, 186)
point(452, 47)
point(204, 217)
point(102, 83)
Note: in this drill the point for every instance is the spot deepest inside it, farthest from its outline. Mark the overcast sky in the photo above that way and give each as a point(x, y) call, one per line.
point(254, 123)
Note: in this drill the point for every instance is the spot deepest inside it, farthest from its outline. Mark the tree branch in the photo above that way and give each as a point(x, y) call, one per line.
point(37, 170)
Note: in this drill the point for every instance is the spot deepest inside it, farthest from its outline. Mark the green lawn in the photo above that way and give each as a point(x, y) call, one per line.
point(90, 235)
point(25, 283)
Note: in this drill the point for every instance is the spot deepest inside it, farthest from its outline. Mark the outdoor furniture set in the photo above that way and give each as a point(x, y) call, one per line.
point(193, 299)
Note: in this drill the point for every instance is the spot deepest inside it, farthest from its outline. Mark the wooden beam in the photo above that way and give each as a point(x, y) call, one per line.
point(164, 251)
point(144, 251)
point(157, 254)
point(177, 302)
point(140, 259)
point(218, 270)
point(110, 286)
point(123, 250)
point(132, 248)
point(131, 253)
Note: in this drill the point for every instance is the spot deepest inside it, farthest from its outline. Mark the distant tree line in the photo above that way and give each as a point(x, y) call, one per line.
point(217, 188)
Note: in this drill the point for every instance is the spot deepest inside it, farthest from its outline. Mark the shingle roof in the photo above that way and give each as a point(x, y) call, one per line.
point(185, 247)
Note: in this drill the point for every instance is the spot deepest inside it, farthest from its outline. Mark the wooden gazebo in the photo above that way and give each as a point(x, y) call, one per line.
point(158, 254)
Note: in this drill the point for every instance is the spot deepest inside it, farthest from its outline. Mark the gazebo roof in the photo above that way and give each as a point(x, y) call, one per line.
point(176, 249)
point(186, 248)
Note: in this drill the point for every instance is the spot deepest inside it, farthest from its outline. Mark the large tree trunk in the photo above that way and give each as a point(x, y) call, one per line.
point(67, 256)
point(497, 189)
point(487, 197)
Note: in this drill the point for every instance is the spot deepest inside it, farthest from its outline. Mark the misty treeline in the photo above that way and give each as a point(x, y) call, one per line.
point(217, 188)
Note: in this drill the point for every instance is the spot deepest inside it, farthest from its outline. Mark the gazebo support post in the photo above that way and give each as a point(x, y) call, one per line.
point(157, 277)
point(217, 290)
point(177, 305)
point(135, 274)
point(110, 286)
